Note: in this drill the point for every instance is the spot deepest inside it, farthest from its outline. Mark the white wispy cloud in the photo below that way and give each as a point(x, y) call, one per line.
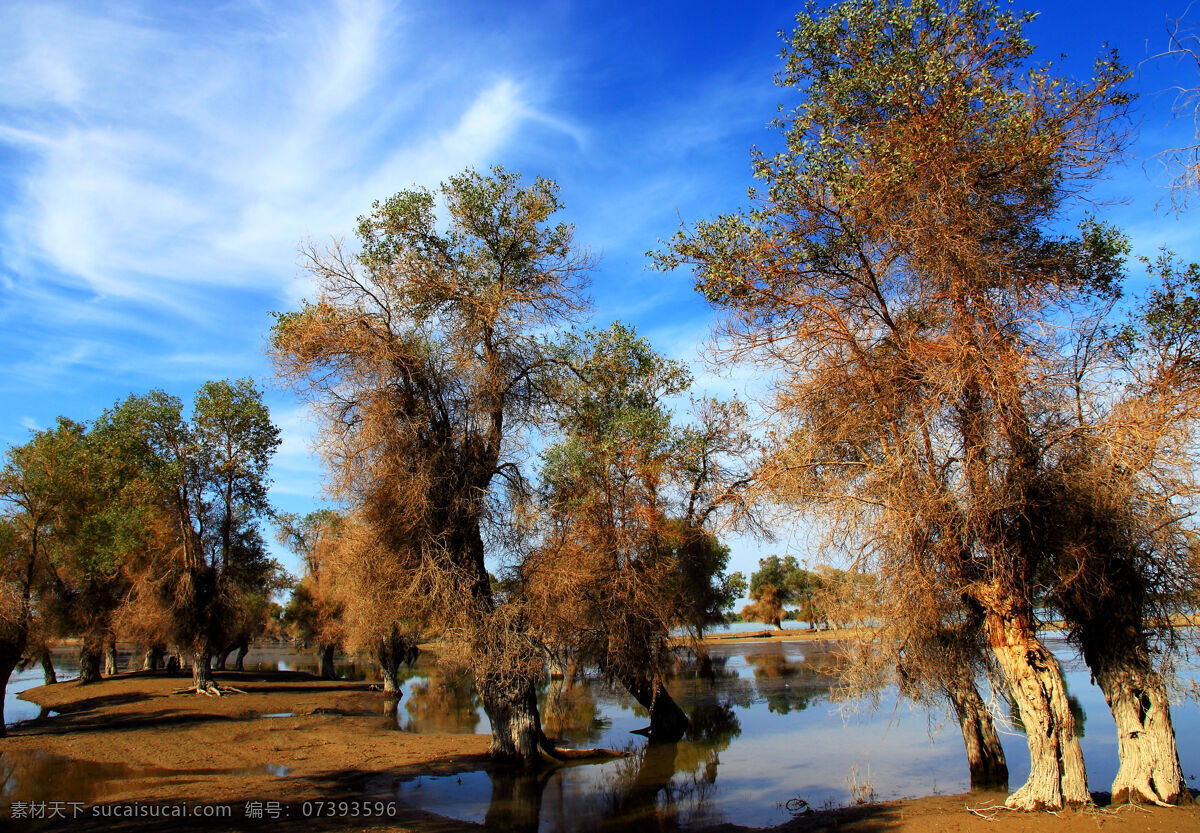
point(169, 157)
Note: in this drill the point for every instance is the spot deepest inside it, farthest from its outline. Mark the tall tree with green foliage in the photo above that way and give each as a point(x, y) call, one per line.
point(626, 555)
point(211, 479)
point(901, 270)
point(91, 526)
point(772, 586)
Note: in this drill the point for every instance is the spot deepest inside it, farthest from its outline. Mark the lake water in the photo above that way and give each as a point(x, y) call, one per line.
point(765, 737)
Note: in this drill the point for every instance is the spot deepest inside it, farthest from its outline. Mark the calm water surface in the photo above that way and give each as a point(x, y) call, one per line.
point(765, 731)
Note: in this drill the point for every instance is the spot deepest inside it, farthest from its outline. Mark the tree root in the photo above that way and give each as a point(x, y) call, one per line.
point(561, 755)
point(209, 690)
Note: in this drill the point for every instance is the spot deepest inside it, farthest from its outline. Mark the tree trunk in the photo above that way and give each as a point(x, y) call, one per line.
point(243, 648)
point(1119, 657)
point(89, 661)
point(390, 683)
point(1057, 777)
point(201, 667)
point(154, 658)
point(49, 675)
point(512, 708)
point(1150, 771)
point(985, 756)
point(668, 723)
point(110, 659)
point(390, 653)
point(222, 657)
point(325, 659)
point(6, 668)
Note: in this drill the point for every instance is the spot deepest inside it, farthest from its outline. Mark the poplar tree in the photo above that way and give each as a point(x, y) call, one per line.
point(903, 272)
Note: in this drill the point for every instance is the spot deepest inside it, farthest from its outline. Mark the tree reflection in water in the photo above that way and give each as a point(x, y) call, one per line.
point(659, 787)
point(788, 685)
point(441, 703)
point(571, 712)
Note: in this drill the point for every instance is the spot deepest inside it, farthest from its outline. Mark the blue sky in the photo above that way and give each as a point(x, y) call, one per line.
point(160, 163)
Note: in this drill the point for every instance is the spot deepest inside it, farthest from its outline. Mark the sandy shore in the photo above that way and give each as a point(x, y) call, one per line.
point(770, 634)
point(129, 739)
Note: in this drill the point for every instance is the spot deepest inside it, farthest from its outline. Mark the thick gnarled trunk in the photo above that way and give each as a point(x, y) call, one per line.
point(985, 756)
point(391, 653)
point(1150, 771)
point(668, 723)
point(512, 709)
point(202, 678)
point(1119, 657)
point(1057, 776)
point(153, 660)
point(89, 661)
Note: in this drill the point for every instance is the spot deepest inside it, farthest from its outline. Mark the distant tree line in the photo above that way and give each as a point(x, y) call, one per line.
point(824, 597)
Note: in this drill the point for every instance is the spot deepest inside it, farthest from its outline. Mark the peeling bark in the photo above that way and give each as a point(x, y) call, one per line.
point(985, 756)
point(202, 667)
point(391, 684)
point(1109, 630)
point(1057, 776)
point(1149, 771)
point(516, 724)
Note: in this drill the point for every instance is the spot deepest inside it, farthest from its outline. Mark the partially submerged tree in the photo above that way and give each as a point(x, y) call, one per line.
point(601, 583)
point(899, 275)
point(424, 357)
point(625, 555)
